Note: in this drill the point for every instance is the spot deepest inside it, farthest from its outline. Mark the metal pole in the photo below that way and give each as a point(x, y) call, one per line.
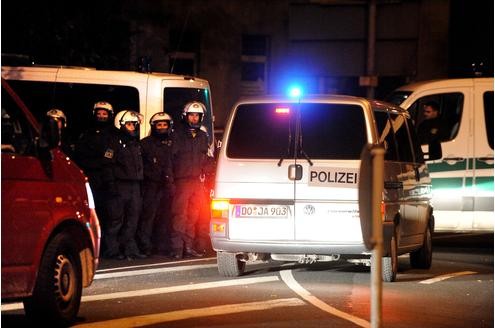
point(370, 63)
point(377, 157)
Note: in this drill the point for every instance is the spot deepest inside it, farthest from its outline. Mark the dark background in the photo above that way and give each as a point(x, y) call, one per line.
point(96, 33)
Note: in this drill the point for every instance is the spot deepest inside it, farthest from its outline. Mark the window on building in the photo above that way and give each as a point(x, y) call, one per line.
point(184, 55)
point(254, 61)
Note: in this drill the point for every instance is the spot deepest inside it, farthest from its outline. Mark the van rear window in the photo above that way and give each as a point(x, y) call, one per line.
point(268, 131)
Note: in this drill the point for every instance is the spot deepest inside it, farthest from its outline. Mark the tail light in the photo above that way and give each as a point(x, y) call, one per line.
point(219, 216)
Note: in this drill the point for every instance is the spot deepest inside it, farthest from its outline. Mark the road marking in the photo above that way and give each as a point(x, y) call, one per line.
point(152, 271)
point(446, 276)
point(154, 264)
point(158, 318)
point(163, 290)
point(289, 280)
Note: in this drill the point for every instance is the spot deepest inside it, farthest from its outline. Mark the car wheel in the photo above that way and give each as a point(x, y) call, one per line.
point(57, 293)
point(390, 263)
point(421, 258)
point(229, 265)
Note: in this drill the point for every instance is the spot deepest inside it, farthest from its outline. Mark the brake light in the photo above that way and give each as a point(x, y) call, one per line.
point(220, 208)
point(282, 110)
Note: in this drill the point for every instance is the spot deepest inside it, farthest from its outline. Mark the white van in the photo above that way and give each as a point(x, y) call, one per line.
point(75, 90)
point(287, 176)
point(462, 178)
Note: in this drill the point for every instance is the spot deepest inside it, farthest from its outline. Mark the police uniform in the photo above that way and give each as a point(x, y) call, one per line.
point(123, 174)
point(157, 189)
point(190, 147)
point(89, 155)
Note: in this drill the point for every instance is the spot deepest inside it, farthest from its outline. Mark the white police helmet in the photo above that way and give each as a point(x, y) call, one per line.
point(194, 107)
point(57, 114)
point(103, 105)
point(125, 116)
point(161, 116)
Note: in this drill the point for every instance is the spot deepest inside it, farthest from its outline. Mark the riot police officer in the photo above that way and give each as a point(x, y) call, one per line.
point(123, 175)
point(89, 155)
point(157, 185)
point(190, 147)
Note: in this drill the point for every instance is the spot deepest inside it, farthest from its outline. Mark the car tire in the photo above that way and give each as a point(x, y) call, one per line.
point(422, 258)
point(390, 263)
point(229, 265)
point(57, 292)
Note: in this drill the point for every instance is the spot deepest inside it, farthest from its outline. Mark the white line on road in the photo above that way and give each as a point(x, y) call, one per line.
point(180, 288)
point(289, 280)
point(446, 276)
point(152, 271)
point(158, 318)
point(154, 264)
point(163, 290)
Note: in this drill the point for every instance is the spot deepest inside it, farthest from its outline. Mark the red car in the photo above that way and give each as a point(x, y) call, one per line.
point(50, 231)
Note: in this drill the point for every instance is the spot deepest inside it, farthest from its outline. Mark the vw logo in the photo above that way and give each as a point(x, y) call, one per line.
point(309, 210)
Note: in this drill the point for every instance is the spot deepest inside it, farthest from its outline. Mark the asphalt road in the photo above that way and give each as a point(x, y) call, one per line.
point(456, 292)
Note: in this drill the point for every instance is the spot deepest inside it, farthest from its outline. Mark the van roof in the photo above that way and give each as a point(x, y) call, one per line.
point(64, 72)
point(323, 98)
point(442, 83)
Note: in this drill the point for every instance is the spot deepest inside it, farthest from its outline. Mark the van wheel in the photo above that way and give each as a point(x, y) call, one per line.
point(390, 263)
point(421, 258)
point(229, 265)
point(58, 288)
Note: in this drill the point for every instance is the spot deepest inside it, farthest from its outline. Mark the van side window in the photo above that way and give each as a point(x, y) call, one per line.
point(402, 137)
point(174, 100)
point(75, 99)
point(488, 108)
point(418, 152)
point(450, 107)
point(387, 135)
point(17, 133)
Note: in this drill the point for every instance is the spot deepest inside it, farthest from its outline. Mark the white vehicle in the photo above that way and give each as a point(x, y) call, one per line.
point(287, 176)
point(462, 177)
point(75, 90)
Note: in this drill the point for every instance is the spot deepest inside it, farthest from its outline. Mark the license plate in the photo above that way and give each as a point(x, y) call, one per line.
point(261, 211)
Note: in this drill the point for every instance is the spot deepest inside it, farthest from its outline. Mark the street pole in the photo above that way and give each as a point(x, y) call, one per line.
point(377, 158)
point(370, 62)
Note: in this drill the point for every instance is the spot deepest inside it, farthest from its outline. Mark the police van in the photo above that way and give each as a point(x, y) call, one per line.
point(76, 89)
point(462, 173)
point(287, 179)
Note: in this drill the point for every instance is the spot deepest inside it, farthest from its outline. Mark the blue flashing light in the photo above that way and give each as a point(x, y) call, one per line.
point(295, 92)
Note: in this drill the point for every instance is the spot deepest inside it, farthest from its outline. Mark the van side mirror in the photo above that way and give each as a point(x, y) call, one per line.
point(370, 192)
point(50, 135)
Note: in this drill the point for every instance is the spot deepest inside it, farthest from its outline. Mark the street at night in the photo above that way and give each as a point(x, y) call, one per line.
point(456, 292)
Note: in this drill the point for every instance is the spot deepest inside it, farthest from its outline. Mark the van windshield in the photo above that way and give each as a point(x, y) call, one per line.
point(174, 100)
point(268, 131)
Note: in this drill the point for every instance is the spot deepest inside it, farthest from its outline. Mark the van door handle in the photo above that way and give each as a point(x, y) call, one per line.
point(453, 160)
point(393, 185)
point(295, 172)
point(487, 160)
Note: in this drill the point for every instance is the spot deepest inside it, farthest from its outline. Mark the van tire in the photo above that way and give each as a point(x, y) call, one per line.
point(390, 263)
point(57, 292)
point(422, 258)
point(229, 265)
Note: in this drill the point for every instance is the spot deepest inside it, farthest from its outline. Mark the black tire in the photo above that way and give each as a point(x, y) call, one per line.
point(421, 258)
point(57, 293)
point(229, 265)
point(390, 263)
